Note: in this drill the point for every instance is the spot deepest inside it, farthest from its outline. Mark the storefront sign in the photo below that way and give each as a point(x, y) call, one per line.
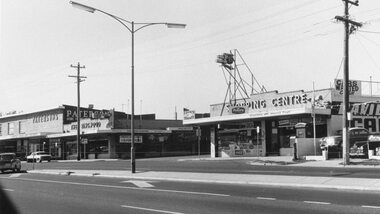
point(128, 139)
point(275, 102)
point(354, 86)
point(70, 114)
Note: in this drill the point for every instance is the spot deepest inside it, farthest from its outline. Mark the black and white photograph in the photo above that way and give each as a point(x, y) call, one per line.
point(189, 106)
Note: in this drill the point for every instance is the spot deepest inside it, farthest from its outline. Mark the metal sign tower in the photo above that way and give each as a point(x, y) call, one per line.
point(236, 72)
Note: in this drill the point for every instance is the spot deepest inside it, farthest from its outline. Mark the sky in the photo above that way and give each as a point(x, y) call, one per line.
point(287, 44)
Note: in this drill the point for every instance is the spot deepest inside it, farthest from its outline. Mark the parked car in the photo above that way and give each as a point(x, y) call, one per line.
point(358, 142)
point(38, 157)
point(8, 161)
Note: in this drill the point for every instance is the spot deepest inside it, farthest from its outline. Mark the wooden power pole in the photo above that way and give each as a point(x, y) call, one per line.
point(79, 79)
point(349, 26)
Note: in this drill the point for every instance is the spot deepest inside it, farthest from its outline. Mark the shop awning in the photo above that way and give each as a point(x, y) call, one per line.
point(111, 131)
point(23, 136)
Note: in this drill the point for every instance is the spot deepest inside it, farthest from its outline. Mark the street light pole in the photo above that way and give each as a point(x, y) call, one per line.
point(133, 160)
point(132, 30)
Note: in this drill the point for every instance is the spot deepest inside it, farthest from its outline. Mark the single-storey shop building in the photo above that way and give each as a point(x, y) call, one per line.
point(104, 134)
point(269, 123)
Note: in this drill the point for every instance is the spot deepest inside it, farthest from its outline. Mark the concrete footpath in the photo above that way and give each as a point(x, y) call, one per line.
point(361, 184)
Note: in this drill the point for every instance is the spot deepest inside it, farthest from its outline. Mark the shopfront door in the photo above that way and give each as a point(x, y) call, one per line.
point(272, 145)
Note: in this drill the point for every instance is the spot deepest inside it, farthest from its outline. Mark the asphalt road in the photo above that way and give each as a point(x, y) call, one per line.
point(34, 193)
point(209, 166)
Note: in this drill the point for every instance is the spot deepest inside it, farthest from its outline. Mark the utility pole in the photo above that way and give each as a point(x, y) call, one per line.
point(349, 26)
point(79, 79)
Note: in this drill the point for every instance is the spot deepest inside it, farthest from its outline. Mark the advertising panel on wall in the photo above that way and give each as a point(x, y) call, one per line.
point(354, 87)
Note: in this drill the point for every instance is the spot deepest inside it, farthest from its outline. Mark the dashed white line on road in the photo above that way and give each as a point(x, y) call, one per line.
point(317, 202)
point(264, 198)
point(152, 210)
point(9, 190)
point(372, 207)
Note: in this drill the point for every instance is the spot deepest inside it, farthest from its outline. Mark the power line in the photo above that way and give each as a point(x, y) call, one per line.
point(364, 31)
point(370, 56)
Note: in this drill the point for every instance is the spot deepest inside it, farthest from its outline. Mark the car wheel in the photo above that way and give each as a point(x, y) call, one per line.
point(2, 171)
point(40, 160)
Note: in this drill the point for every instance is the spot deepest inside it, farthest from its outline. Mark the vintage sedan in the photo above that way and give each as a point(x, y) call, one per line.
point(358, 142)
point(8, 161)
point(38, 157)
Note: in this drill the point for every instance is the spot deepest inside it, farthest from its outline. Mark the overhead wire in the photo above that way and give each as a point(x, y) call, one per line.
point(367, 52)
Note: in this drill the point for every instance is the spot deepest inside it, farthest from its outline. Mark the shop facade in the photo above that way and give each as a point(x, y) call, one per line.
point(103, 134)
point(269, 123)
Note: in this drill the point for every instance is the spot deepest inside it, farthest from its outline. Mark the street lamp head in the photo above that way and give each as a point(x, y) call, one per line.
point(175, 25)
point(83, 7)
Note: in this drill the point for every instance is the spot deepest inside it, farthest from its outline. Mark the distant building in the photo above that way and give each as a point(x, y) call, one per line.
point(104, 134)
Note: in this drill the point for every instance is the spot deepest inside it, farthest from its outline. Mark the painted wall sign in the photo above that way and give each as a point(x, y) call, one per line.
point(363, 109)
point(365, 115)
point(43, 118)
point(89, 124)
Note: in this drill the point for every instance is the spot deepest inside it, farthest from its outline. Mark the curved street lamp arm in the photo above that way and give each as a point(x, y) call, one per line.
point(120, 20)
point(148, 24)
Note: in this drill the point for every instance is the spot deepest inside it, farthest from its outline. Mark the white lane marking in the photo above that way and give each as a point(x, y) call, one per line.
point(14, 175)
point(372, 207)
point(139, 183)
point(317, 202)
point(123, 187)
point(264, 198)
point(9, 190)
point(153, 210)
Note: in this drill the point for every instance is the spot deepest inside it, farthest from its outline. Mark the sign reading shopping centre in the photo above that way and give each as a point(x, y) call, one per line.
point(274, 103)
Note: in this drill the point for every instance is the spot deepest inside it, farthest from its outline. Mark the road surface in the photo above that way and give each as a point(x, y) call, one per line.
point(36, 193)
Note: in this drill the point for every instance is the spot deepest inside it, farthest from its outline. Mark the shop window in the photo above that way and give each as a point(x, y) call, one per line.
point(11, 128)
point(98, 147)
